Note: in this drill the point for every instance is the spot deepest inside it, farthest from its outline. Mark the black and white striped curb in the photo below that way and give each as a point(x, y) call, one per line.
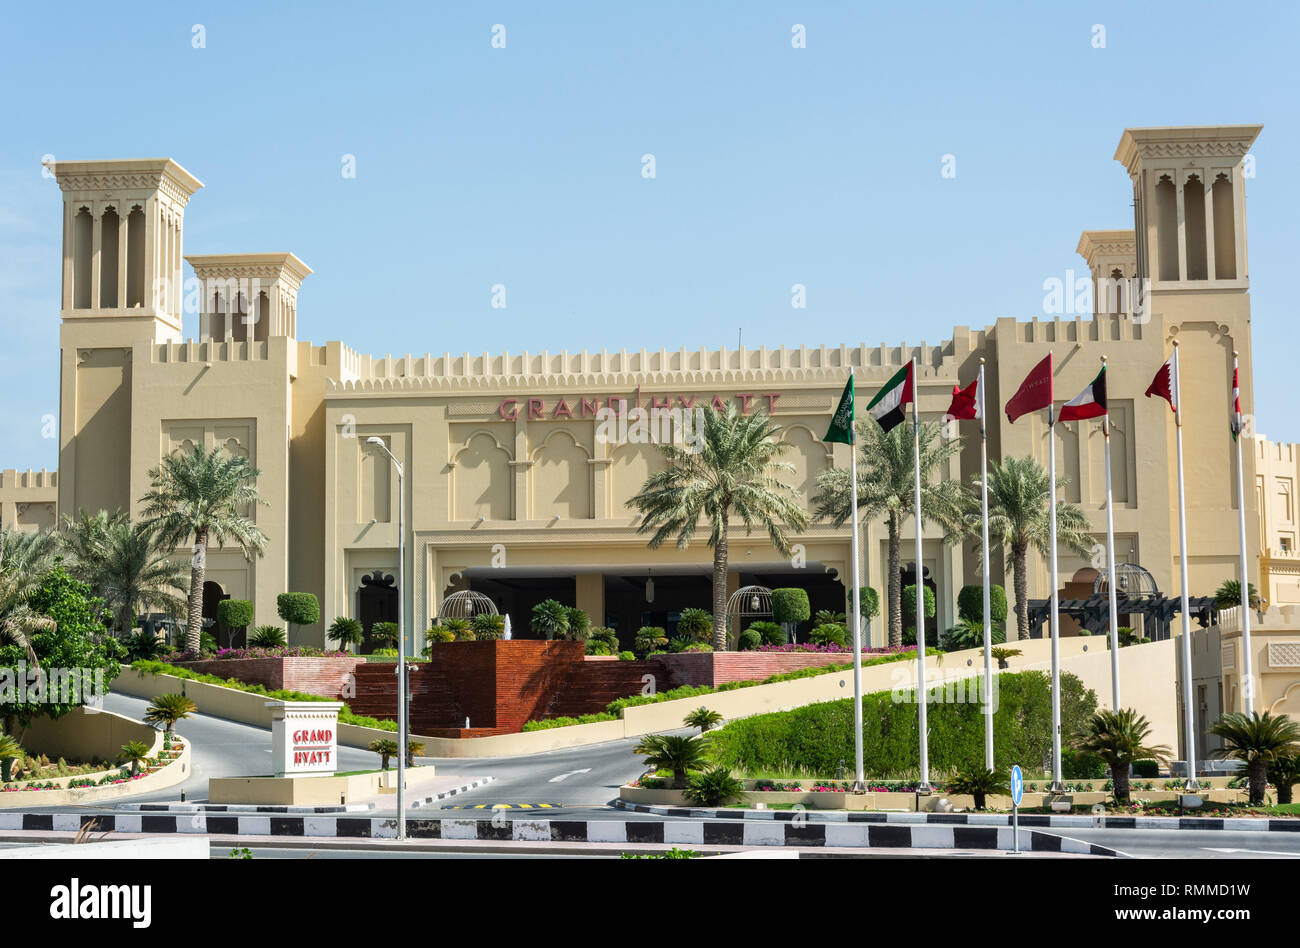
point(446, 794)
point(240, 808)
point(304, 810)
point(680, 832)
point(1027, 820)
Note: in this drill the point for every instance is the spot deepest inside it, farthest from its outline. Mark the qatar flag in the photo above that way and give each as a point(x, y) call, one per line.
point(1165, 384)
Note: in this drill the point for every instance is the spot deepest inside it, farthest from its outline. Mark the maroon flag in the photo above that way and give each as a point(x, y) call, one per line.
point(1035, 391)
point(1164, 384)
point(965, 402)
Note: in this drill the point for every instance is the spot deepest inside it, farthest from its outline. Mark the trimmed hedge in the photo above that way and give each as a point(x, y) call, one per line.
point(298, 608)
point(970, 603)
point(870, 602)
point(345, 714)
point(790, 605)
point(235, 613)
point(817, 737)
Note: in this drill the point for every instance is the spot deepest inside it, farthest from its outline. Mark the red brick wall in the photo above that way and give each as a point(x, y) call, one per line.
point(717, 668)
point(314, 676)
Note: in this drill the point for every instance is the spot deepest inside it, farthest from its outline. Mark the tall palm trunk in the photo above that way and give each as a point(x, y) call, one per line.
point(895, 583)
point(198, 569)
point(1019, 557)
point(720, 592)
point(1119, 777)
point(1258, 771)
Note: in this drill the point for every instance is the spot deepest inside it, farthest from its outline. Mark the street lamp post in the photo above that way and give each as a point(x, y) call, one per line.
point(402, 737)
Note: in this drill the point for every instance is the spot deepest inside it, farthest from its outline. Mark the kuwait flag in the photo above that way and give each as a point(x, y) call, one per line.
point(966, 402)
point(887, 406)
point(1090, 403)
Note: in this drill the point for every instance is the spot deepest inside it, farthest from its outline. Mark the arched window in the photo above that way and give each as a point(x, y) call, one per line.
point(110, 228)
point(1167, 229)
point(83, 241)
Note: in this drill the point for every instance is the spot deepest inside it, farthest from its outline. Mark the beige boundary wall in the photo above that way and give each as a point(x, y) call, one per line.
point(1092, 666)
point(315, 790)
point(95, 734)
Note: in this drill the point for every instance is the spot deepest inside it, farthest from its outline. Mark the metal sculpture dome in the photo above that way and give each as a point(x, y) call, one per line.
point(1131, 580)
point(750, 601)
point(466, 604)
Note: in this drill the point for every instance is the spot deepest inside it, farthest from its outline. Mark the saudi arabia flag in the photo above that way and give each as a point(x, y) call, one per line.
point(887, 406)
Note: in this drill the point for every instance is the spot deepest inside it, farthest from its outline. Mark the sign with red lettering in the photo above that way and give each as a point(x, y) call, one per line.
point(304, 737)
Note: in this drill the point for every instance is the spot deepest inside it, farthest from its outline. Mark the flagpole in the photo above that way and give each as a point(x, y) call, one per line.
point(1247, 657)
point(1110, 554)
point(922, 720)
point(1188, 718)
point(1058, 786)
point(860, 783)
point(988, 617)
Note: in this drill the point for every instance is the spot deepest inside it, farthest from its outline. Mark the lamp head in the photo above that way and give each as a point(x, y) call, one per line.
point(376, 441)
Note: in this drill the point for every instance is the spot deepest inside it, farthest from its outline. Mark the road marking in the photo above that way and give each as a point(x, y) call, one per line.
point(504, 806)
point(585, 770)
point(1253, 852)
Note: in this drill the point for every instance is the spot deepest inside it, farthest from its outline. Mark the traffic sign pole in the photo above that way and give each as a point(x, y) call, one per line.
point(1017, 794)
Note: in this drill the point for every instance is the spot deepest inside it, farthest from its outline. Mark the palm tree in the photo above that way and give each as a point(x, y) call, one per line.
point(549, 619)
point(25, 559)
point(885, 489)
point(386, 748)
point(201, 494)
point(1228, 594)
point(346, 631)
point(979, 783)
point(1258, 740)
point(10, 750)
point(1019, 518)
point(135, 574)
point(730, 471)
point(134, 753)
point(677, 752)
point(1118, 738)
point(82, 539)
point(704, 718)
point(414, 749)
point(169, 709)
point(1283, 773)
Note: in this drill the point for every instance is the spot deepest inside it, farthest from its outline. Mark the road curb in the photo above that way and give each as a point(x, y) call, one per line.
point(679, 832)
point(236, 808)
point(1027, 820)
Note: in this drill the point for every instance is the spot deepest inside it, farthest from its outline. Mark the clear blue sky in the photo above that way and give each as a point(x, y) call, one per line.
point(522, 166)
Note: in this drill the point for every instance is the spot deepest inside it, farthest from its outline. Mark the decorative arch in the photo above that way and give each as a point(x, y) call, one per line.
point(633, 465)
point(481, 481)
point(562, 478)
point(810, 457)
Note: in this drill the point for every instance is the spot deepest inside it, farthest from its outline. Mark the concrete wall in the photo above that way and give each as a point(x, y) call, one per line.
point(83, 735)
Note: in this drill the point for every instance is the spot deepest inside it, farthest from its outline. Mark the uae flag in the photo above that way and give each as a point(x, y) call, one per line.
point(1035, 391)
point(966, 402)
point(1236, 406)
point(1090, 403)
point(1165, 384)
point(887, 406)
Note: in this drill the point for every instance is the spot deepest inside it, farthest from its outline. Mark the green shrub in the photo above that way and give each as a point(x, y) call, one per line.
point(870, 602)
point(909, 607)
point(750, 639)
point(267, 636)
point(385, 653)
point(969, 633)
point(579, 624)
point(970, 604)
point(829, 617)
point(298, 608)
point(829, 633)
point(235, 613)
point(1077, 765)
point(650, 638)
point(567, 721)
point(550, 619)
point(488, 626)
point(713, 787)
point(1143, 768)
point(626, 656)
point(696, 624)
point(769, 632)
point(385, 632)
point(439, 634)
point(790, 605)
point(345, 631)
point(460, 629)
point(818, 736)
point(602, 641)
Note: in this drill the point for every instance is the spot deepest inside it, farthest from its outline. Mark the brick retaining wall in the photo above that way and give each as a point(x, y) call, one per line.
point(313, 676)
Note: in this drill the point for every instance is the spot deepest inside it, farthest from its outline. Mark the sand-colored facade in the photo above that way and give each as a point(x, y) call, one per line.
point(511, 486)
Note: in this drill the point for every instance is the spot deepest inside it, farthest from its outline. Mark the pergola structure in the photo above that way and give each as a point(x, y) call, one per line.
point(1136, 594)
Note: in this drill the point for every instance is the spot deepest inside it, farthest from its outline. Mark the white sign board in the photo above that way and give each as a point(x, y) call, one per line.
point(304, 737)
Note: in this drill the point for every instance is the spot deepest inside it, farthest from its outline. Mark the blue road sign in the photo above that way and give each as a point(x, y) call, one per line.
point(1017, 785)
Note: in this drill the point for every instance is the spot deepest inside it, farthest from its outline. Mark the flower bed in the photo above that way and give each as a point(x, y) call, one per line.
point(171, 750)
point(236, 654)
point(813, 648)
